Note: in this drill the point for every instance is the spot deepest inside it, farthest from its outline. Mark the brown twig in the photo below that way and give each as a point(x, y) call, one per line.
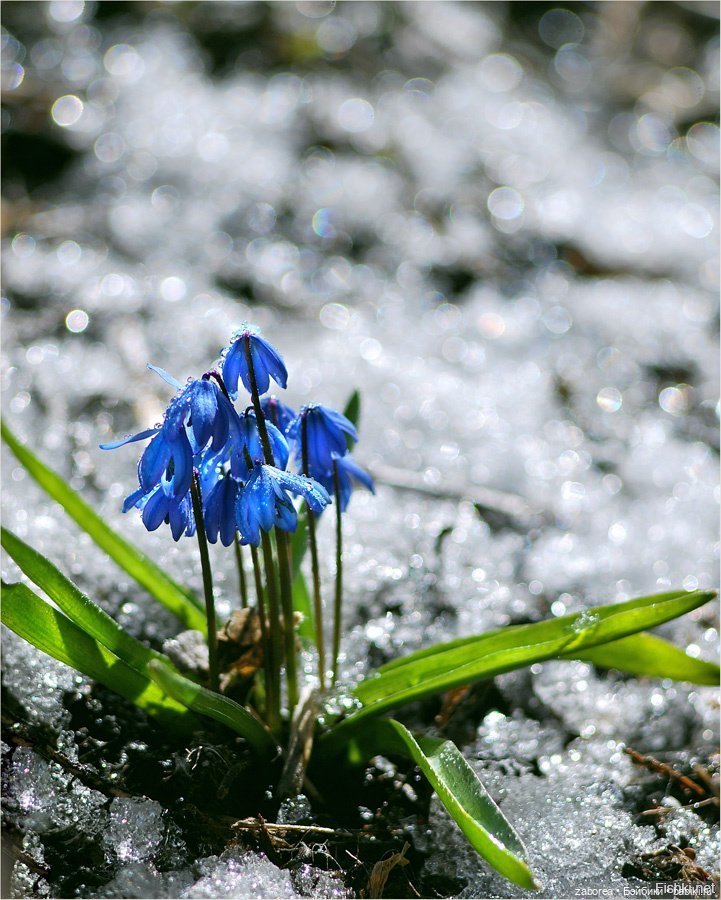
point(661, 768)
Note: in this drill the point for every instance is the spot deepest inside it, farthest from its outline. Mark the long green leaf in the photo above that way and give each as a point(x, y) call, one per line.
point(215, 706)
point(174, 597)
point(653, 657)
point(352, 410)
point(303, 604)
point(462, 662)
point(459, 790)
point(77, 606)
point(49, 630)
point(638, 654)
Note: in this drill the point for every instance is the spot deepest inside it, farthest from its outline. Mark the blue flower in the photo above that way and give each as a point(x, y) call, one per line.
point(199, 414)
point(219, 510)
point(160, 505)
point(325, 433)
point(246, 448)
point(267, 364)
point(264, 501)
point(277, 413)
point(348, 472)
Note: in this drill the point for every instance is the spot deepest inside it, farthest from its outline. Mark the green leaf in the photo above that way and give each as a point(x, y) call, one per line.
point(446, 666)
point(299, 541)
point(215, 706)
point(174, 597)
point(459, 790)
point(352, 412)
point(77, 606)
point(303, 604)
point(653, 657)
point(49, 630)
point(352, 407)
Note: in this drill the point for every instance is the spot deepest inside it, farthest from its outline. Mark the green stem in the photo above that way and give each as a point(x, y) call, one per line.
point(255, 397)
point(267, 652)
point(207, 583)
point(241, 573)
point(275, 626)
point(338, 572)
point(317, 602)
point(286, 599)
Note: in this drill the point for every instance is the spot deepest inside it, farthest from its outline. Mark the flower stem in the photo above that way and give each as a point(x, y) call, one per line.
point(241, 573)
point(255, 397)
point(338, 572)
point(286, 599)
point(275, 626)
point(286, 588)
point(207, 583)
point(267, 652)
point(317, 602)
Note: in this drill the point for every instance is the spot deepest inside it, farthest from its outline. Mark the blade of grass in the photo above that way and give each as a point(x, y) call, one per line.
point(149, 576)
point(462, 662)
point(77, 606)
point(352, 412)
point(650, 656)
point(49, 630)
point(459, 789)
point(215, 706)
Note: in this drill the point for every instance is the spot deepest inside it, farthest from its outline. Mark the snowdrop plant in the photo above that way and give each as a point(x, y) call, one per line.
point(258, 478)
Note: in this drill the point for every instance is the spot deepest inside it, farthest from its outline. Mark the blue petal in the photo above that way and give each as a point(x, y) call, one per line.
point(133, 499)
point(155, 510)
point(233, 364)
point(203, 408)
point(211, 513)
point(227, 512)
point(154, 461)
point(349, 465)
point(182, 465)
point(314, 493)
point(140, 436)
point(173, 382)
point(268, 361)
point(178, 518)
point(286, 517)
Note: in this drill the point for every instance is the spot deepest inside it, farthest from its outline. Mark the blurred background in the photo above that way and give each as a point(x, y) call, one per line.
point(499, 221)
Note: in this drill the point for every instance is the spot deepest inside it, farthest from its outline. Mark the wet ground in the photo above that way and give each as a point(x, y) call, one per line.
point(500, 224)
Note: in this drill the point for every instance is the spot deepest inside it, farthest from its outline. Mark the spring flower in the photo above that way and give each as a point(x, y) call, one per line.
point(160, 505)
point(325, 433)
point(277, 413)
point(264, 501)
point(219, 510)
point(246, 448)
point(348, 472)
point(199, 414)
point(267, 364)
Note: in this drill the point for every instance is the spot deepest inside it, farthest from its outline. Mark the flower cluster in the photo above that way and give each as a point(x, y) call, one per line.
point(237, 462)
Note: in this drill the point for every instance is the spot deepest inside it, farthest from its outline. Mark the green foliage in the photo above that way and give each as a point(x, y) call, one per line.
point(650, 656)
point(50, 631)
point(215, 706)
point(458, 788)
point(446, 666)
point(77, 606)
point(149, 576)
point(83, 636)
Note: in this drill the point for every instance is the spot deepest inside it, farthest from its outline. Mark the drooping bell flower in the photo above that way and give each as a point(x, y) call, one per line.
point(324, 431)
point(246, 448)
point(199, 414)
point(277, 413)
point(265, 502)
point(348, 472)
point(160, 505)
point(267, 363)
